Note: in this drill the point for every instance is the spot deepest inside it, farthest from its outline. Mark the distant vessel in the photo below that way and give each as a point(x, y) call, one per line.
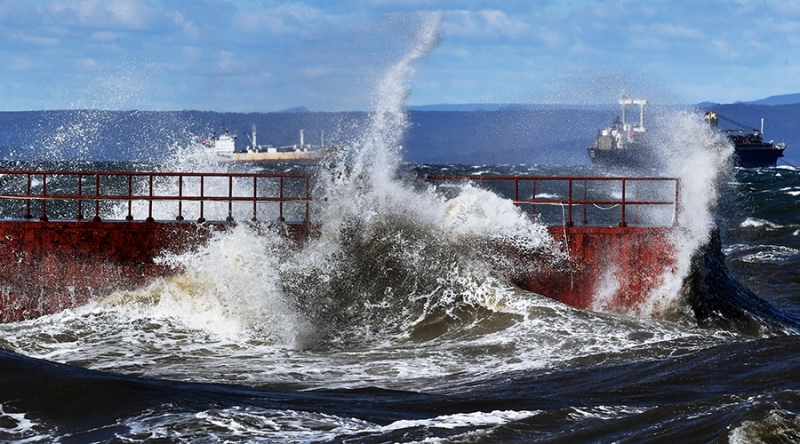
point(223, 147)
point(750, 150)
point(624, 144)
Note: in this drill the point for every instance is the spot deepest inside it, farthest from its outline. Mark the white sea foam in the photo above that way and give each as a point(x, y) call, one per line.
point(299, 426)
point(752, 222)
point(700, 158)
point(400, 290)
point(22, 429)
point(777, 426)
point(762, 254)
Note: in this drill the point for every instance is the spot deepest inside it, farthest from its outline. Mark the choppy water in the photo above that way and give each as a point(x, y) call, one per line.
point(395, 330)
point(394, 325)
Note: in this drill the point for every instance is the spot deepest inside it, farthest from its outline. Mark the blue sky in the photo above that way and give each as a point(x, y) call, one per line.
point(261, 56)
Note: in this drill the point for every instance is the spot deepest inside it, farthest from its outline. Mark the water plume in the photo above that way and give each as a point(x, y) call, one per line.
point(398, 261)
point(701, 159)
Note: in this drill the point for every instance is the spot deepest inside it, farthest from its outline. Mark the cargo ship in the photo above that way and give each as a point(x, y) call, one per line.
point(750, 149)
point(624, 144)
point(223, 147)
point(627, 145)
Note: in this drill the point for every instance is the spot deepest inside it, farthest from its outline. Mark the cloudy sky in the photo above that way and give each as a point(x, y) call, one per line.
point(251, 56)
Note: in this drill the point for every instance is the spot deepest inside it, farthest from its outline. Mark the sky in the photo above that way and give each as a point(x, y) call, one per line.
point(264, 56)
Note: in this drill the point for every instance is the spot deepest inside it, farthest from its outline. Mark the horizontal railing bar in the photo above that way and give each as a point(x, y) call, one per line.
point(598, 202)
point(147, 174)
point(583, 184)
point(552, 178)
point(146, 198)
point(274, 187)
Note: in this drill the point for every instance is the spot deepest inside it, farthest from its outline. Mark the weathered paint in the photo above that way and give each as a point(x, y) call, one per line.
point(47, 267)
point(631, 260)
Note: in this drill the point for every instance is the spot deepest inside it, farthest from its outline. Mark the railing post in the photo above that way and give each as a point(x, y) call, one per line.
point(230, 199)
point(280, 200)
point(43, 217)
point(676, 207)
point(180, 201)
point(129, 217)
point(150, 199)
point(255, 197)
point(307, 220)
point(97, 198)
point(533, 198)
point(585, 185)
point(623, 223)
point(201, 219)
point(28, 214)
point(79, 216)
point(569, 206)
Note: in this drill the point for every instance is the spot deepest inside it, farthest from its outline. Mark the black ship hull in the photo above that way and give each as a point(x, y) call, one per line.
point(760, 155)
point(639, 157)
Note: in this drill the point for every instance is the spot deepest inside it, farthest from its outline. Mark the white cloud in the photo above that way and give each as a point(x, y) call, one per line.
point(35, 39)
point(310, 52)
point(670, 30)
point(284, 19)
point(228, 63)
point(191, 52)
point(126, 14)
point(88, 63)
point(552, 38)
point(316, 72)
point(105, 36)
point(484, 23)
point(188, 27)
point(498, 21)
point(22, 64)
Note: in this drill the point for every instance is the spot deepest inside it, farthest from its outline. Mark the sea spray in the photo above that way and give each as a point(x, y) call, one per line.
point(701, 160)
point(395, 264)
point(393, 257)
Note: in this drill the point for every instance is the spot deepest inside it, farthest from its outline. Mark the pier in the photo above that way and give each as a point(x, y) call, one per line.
point(616, 231)
point(60, 251)
point(69, 237)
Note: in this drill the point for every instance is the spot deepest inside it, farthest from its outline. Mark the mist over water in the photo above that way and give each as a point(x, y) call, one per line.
point(701, 159)
point(403, 289)
point(395, 262)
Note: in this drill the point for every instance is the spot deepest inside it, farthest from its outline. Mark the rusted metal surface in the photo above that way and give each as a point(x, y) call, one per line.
point(616, 231)
point(582, 193)
point(616, 256)
point(54, 256)
point(106, 187)
point(47, 267)
point(610, 268)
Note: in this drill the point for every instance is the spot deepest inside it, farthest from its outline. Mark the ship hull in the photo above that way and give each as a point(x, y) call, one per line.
point(293, 156)
point(763, 155)
point(627, 158)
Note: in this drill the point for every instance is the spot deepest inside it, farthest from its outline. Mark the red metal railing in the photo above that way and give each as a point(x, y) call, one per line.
point(111, 187)
point(631, 191)
point(294, 189)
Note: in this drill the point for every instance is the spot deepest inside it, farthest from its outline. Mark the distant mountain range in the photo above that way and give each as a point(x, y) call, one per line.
point(466, 134)
point(783, 99)
point(508, 107)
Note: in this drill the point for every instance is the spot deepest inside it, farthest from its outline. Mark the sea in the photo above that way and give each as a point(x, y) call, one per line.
point(395, 326)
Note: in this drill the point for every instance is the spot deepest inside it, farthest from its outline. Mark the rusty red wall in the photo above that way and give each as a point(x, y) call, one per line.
point(49, 266)
point(634, 258)
point(46, 267)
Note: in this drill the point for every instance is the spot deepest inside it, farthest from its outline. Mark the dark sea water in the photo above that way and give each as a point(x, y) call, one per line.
point(394, 325)
point(256, 344)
